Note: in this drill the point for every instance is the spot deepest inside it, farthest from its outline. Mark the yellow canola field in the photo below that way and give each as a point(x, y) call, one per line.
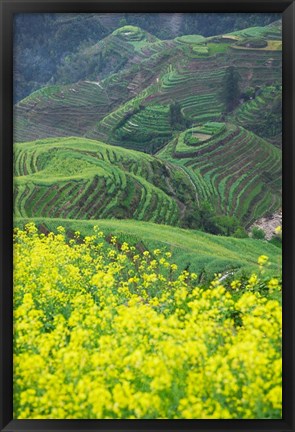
point(103, 331)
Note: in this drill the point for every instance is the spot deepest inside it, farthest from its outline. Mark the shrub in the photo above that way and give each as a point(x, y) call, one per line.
point(258, 233)
point(240, 232)
point(225, 225)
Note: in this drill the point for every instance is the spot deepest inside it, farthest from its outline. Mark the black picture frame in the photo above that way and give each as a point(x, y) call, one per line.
point(10, 7)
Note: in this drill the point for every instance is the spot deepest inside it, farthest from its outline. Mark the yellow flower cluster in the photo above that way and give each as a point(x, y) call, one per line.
point(101, 331)
point(262, 260)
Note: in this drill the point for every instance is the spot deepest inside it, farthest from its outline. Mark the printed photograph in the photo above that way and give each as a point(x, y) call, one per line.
point(147, 215)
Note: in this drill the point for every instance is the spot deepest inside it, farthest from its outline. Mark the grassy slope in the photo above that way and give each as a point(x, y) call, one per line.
point(195, 250)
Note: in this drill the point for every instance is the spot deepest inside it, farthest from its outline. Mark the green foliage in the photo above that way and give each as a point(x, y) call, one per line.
point(144, 128)
point(240, 232)
point(258, 233)
point(105, 181)
point(130, 33)
point(225, 225)
point(206, 219)
point(199, 51)
point(248, 93)
point(212, 128)
point(272, 31)
point(177, 119)
point(127, 116)
point(276, 241)
point(216, 170)
point(230, 92)
point(143, 105)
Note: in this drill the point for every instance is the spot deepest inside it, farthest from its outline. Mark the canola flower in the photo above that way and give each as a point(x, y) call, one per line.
point(278, 231)
point(102, 331)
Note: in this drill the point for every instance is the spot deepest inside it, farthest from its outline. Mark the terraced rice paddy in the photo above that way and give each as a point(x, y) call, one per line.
point(61, 112)
point(156, 72)
point(230, 167)
point(253, 114)
point(190, 39)
point(273, 31)
point(77, 109)
point(241, 172)
point(79, 178)
point(144, 126)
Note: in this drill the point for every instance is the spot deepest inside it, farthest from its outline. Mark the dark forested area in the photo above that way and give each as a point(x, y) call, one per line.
point(43, 41)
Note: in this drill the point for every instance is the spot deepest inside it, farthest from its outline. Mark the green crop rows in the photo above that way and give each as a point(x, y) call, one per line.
point(103, 181)
point(241, 170)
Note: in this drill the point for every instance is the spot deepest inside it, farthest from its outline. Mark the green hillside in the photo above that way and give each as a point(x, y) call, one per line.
point(271, 31)
point(192, 250)
point(262, 114)
point(239, 172)
point(68, 36)
point(194, 81)
point(120, 49)
point(235, 171)
point(102, 181)
point(142, 71)
point(64, 110)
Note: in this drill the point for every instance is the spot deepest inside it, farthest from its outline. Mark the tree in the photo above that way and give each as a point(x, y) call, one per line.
point(177, 119)
point(230, 92)
point(123, 22)
point(207, 214)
